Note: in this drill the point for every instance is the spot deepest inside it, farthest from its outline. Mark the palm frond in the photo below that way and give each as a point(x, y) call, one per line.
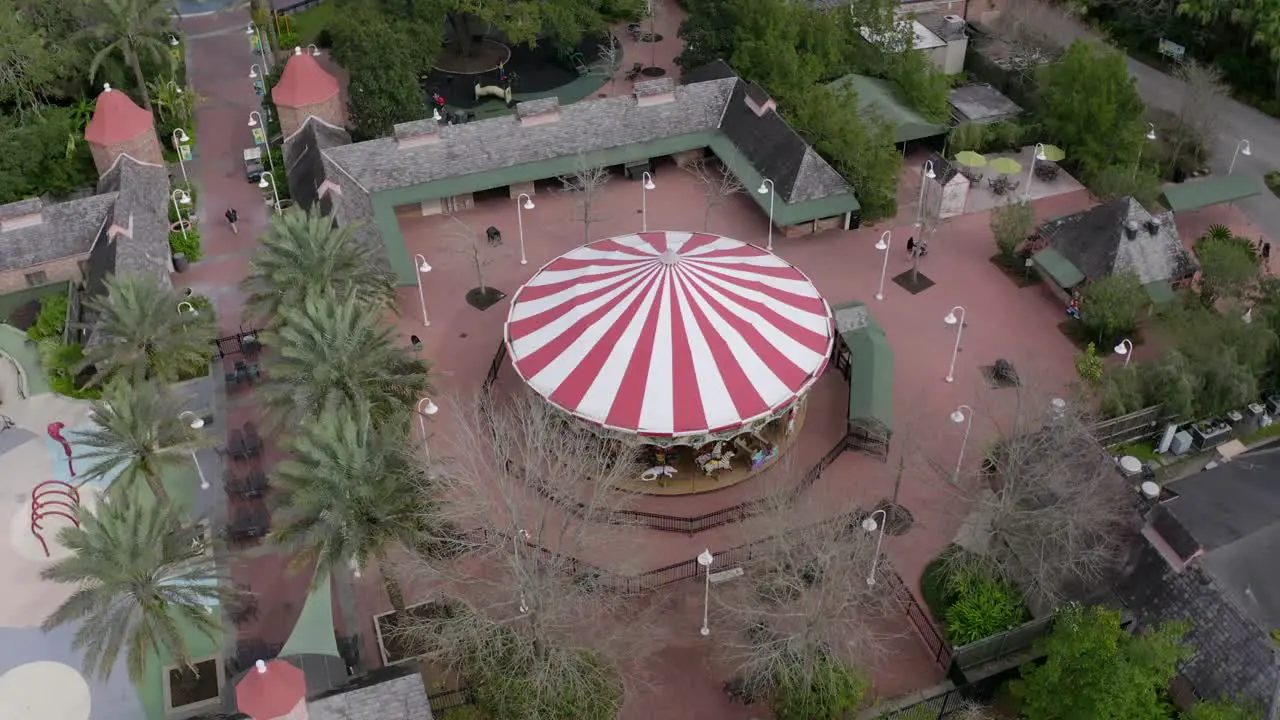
point(142, 332)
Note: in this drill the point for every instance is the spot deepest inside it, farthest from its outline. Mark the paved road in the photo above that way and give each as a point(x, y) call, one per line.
point(1237, 121)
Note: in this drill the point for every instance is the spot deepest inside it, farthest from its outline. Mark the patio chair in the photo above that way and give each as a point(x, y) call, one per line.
point(634, 72)
point(252, 441)
point(236, 446)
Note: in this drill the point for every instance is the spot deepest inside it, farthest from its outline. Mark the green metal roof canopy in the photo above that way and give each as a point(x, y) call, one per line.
point(870, 367)
point(314, 633)
point(1063, 271)
point(1211, 191)
point(880, 97)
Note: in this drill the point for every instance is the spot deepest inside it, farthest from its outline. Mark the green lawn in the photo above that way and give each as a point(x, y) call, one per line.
point(308, 23)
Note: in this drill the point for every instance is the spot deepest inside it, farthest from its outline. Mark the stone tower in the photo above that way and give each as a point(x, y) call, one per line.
point(306, 89)
point(119, 127)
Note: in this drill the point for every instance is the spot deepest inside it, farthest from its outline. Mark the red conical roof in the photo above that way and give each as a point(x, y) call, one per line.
point(303, 82)
point(116, 119)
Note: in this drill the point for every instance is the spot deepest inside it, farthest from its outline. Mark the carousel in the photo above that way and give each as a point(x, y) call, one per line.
point(701, 347)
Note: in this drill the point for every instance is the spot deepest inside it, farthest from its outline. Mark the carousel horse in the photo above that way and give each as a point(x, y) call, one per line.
point(761, 457)
point(656, 473)
point(716, 452)
point(721, 463)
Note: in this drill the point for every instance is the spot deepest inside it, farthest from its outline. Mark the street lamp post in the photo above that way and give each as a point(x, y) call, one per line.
point(1125, 348)
point(1151, 136)
point(870, 525)
point(425, 408)
point(645, 186)
point(422, 269)
point(1242, 148)
point(253, 29)
point(520, 208)
point(951, 319)
point(705, 558)
point(264, 184)
point(1037, 154)
point(962, 414)
point(766, 186)
point(314, 50)
point(255, 118)
point(255, 71)
point(197, 422)
point(187, 307)
point(883, 244)
point(927, 174)
point(180, 136)
point(181, 196)
point(521, 535)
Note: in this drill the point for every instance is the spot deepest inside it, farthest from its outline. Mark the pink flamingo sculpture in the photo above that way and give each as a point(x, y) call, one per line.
point(55, 432)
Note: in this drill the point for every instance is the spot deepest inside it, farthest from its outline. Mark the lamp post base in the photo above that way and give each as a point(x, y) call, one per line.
point(879, 296)
point(705, 631)
point(949, 378)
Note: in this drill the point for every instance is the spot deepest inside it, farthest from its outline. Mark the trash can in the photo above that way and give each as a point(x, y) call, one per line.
point(494, 235)
point(180, 262)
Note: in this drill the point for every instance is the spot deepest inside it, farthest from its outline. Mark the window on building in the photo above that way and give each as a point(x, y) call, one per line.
point(38, 277)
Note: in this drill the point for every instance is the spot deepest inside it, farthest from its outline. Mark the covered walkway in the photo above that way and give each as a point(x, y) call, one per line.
point(1211, 191)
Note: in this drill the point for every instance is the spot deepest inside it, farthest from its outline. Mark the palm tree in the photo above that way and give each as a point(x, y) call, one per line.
point(351, 494)
point(131, 27)
point(305, 253)
point(333, 352)
point(137, 434)
point(141, 575)
point(142, 333)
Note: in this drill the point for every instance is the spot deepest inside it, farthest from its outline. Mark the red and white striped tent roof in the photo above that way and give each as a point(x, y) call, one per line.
point(670, 334)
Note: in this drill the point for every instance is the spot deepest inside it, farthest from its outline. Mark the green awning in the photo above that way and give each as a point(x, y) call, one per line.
point(1063, 271)
point(870, 365)
point(313, 634)
point(1160, 292)
point(880, 97)
point(1211, 191)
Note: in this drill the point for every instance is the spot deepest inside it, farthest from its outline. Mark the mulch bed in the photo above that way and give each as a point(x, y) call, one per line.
point(913, 282)
point(1021, 275)
point(484, 299)
point(536, 70)
point(397, 646)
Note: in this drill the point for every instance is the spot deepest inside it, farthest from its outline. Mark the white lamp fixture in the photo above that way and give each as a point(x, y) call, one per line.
point(180, 135)
point(1125, 348)
point(315, 51)
point(423, 269)
point(869, 524)
point(186, 307)
point(520, 208)
point(1151, 131)
point(253, 118)
point(645, 186)
point(196, 423)
point(766, 186)
point(254, 71)
point(883, 244)
point(705, 558)
point(962, 414)
point(173, 41)
point(958, 321)
point(425, 408)
point(1242, 148)
point(250, 29)
point(926, 173)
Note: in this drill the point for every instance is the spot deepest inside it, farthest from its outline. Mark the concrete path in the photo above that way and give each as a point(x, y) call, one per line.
point(1237, 121)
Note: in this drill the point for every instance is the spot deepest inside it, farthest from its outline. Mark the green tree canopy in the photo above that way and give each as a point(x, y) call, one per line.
point(1112, 306)
point(34, 159)
point(304, 253)
point(1095, 670)
point(1087, 102)
point(384, 56)
point(142, 578)
point(1229, 266)
point(1011, 224)
point(131, 28)
point(333, 352)
point(138, 434)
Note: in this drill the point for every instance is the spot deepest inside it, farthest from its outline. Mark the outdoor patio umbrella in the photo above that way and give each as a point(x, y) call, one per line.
point(275, 690)
point(970, 159)
point(1053, 153)
point(1005, 166)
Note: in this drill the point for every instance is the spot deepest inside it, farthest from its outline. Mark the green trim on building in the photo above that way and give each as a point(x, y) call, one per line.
point(881, 98)
point(313, 634)
point(1059, 268)
point(385, 203)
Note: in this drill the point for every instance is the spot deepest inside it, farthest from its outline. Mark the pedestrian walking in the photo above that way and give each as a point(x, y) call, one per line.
point(911, 246)
point(1266, 254)
point(232, 217)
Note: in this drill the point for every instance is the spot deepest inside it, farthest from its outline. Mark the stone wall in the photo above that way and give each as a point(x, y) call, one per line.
point(56, 271)
point(330, 111)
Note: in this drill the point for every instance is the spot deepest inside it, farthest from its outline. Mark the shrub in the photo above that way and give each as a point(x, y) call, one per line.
point(1117, 181)
point(1011, 223)
point(983, 606)
point(1272, 178)
point(52, 320)
point(61, 363)
point(465, 712)
point(188, 244)
point(1002, 137)
point(1089, 366)
point(288, 40)
point(833, 690)
point(510, 695)
point(967, 136)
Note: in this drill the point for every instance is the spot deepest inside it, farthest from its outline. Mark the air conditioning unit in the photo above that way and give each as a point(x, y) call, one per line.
point(1181, 443)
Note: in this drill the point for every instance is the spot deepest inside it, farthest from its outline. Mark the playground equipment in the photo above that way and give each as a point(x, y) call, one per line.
point(504, 94)
point(52, 498)
point(55, 432)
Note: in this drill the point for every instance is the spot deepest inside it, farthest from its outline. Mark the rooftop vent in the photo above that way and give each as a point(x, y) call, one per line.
point(655, 92)
point(1153, 225)
point(1131, 229)
point(417, 133)
point(953, 26)
point(21, 214)
point(538, 112)
point(758, 100)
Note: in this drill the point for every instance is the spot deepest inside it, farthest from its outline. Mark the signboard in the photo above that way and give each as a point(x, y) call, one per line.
point(184, 152)
point(723, 575)
point(259, 137)
point(1172, 49)
point(259, 87)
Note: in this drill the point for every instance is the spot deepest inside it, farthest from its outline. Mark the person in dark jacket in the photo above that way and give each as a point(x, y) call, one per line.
point(233, 217)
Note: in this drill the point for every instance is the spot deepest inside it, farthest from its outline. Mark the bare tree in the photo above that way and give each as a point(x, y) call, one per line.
point(805, 601)
point(587, 184)
point(720, 184)
point(1203, 97)
point(1050, 512)
point(607, 63)
point(527, 621)
point(479, 258)
point(1036, 29)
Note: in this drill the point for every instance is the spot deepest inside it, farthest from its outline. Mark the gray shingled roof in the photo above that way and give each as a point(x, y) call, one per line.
point(142, 205)
point(304, 168)
point(497, 143)
point(1096, 242)
point(68, 229)
point(402, 698)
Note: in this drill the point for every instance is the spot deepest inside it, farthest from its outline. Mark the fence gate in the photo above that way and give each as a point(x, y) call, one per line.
point(245, 342)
